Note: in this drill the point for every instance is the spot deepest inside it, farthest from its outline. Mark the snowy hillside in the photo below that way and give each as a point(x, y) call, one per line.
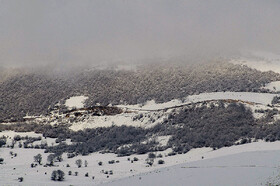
point(262, 61)
point(139, 92)
point(151, 113)
point(249, 168)
point(150, 125)
point(197, 163)
point(258, 98)
point(37, 93)
point(159, 112)
point(273, 86)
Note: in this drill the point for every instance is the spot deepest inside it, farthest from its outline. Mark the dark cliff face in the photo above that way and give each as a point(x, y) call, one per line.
point(35, 93)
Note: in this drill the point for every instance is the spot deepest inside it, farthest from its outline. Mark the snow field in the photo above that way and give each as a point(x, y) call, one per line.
point(76, 102)
point(123, 169)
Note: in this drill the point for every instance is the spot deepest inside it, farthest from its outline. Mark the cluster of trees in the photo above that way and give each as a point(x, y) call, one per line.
point(100, 139)
point(151, 158)
point(35, 93)
point(215, 127)
point(275, 100)
point(57, 175)
point(29, 94)
point(27, 141)
point(54, 157)
point(111, 139)
point(218, 126)
point(27, 138)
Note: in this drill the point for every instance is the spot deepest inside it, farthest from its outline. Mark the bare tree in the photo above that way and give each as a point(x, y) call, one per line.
point(51, 158)
point(38, 158)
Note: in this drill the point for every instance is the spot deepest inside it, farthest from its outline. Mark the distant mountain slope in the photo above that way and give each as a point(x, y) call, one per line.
point(35, 93)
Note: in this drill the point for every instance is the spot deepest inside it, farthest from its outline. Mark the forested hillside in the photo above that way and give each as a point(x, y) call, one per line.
point(34, 93)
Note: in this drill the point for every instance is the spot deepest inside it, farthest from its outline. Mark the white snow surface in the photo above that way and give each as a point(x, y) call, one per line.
point(125, 169)
point(249, 168)
point(225, 166)
point(260, 65)
point(163, 140)
point(121, 119)
point(260, 98)
point(260, 60)
point(76, 102)
point(273, 86)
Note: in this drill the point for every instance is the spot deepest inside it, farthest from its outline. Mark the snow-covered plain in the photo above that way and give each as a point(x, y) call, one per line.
point(249, 168)
point(194, 167)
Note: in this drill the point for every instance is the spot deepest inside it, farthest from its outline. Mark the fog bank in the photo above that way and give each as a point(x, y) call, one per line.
point(67, 32)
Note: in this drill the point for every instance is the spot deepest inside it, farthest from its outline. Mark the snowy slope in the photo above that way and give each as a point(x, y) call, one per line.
point(124, 169)
point(250, 169)
point(259, 60)
point(154, 113)
point(149, 114)
point(273, 86)
point(121, 119)
point(260, 65)
point(260, 98)
point(76, 102)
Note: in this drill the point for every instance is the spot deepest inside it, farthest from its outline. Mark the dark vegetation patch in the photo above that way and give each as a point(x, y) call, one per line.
point(275, 100)
point(96, 110)
point(216, 127)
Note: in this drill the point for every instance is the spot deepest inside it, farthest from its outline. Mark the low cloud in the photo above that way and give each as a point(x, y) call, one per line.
point(88, 32)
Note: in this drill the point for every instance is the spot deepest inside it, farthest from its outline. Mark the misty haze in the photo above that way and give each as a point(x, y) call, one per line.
point(139, 92)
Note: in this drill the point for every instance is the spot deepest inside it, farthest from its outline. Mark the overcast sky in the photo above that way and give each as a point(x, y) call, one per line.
point(83, 31)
